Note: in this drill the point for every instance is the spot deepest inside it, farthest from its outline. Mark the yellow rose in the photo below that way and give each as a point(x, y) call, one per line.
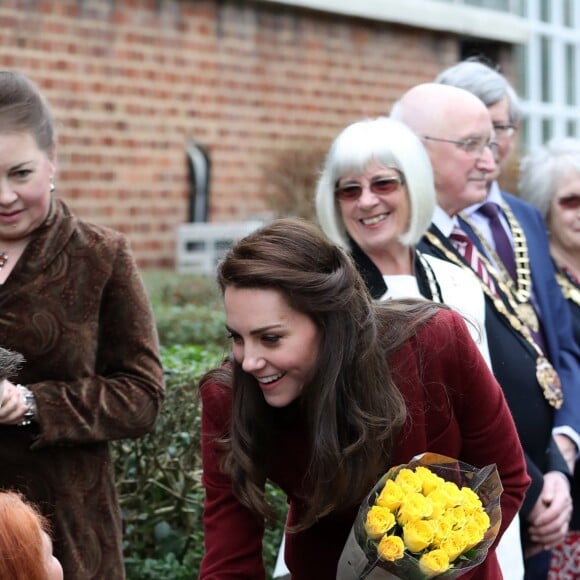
point(473, 533)
point(418, 535)
point(434, 562)
point(408, 480)
point(379, 521)
point(457, 516)
point(439, 497)
point(452, 492)
point(391, 548)
point(482, 520)
point(443, 529)
point(429, 480)
point(471, 500)
point(415, 506)
point(438, 503)
point(390, 496)
point(454, 544)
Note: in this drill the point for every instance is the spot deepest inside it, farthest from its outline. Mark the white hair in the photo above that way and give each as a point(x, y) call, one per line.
point(390, 144)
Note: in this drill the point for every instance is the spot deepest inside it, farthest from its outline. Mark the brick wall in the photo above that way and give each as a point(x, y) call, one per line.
point(131, 80)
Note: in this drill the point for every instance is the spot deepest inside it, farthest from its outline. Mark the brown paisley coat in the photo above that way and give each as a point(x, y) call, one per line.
point(75, 307)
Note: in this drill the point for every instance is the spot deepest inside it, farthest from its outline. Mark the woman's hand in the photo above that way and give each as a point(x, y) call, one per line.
point(13, 404)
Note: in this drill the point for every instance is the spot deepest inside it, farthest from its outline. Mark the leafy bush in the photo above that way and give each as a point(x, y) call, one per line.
point(188, 308)
point(159, 475)
point(191, 324)
point(171, 288)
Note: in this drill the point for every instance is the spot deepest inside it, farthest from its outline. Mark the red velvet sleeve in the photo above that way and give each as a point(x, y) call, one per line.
point(488, 432)
point(232, 533)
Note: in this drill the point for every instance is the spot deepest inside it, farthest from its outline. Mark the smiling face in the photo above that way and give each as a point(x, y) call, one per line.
point(271, 341)
point(375, 220)
point(564, 216)
point(25, 176)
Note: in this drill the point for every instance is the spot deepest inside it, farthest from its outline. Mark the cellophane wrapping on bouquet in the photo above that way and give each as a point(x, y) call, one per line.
point(433, 517)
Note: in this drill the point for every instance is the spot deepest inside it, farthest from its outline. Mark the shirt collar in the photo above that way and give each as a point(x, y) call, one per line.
point(493, 194)
point(444, 221)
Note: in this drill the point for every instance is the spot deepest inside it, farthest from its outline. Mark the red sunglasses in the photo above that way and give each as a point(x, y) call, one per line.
point(571, 201)
point(352, 190)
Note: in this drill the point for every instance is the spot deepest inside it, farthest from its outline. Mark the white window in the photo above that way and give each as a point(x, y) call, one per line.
point(545, 35)
point(550, 87)
point(548, 65)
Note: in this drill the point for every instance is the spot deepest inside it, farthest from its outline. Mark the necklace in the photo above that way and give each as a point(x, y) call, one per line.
point(434, 288)
point(521, 288)
point(3, 259)
point(569, 274)
point(569, 289)
point(545, 373)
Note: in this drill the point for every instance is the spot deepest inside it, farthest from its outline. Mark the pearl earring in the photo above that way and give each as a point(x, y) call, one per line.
point(52, 187)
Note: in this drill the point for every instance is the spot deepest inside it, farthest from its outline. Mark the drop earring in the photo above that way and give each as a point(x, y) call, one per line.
point(52, 187)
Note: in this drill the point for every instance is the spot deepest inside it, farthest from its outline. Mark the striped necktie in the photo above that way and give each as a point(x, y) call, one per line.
point(463, 244)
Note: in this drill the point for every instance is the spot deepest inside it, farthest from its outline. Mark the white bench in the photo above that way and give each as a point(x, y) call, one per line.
point(200, 246)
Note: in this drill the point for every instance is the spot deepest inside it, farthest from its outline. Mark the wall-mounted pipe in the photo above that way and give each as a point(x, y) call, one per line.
point(199, 173)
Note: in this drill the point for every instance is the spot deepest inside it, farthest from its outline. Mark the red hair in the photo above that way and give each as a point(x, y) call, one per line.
point(21, 549)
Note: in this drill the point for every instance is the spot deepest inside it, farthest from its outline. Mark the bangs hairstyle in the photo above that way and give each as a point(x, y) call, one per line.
point(314, 276)
point(542, 171)
point(392, 145)
point(23, 109)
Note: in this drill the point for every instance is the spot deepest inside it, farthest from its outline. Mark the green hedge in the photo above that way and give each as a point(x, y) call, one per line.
point(188, 309)
point(159, 475)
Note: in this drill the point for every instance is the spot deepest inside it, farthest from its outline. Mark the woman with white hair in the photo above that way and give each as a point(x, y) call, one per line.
point(376, 197)
point(550, 180)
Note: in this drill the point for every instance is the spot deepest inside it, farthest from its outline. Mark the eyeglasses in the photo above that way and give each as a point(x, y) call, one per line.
point(473, 147)
point(571, 201)
point(352, 190)
point(504, 129)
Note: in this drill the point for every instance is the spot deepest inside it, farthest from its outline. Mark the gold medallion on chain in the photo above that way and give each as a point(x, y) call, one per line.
point(528, 316)
point(549, 381)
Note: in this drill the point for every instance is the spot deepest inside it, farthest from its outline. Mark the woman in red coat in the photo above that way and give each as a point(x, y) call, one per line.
point(326, 390)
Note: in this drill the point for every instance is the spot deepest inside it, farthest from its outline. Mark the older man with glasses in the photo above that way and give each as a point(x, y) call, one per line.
point(457, 131)
point(512, 234)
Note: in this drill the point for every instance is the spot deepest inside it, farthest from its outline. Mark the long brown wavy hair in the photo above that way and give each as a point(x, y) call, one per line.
point(352, 408)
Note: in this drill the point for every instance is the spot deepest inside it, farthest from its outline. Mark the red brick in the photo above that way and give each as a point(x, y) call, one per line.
point(131, 81)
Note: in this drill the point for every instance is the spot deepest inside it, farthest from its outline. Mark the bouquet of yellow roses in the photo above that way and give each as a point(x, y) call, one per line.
point(435, 516)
